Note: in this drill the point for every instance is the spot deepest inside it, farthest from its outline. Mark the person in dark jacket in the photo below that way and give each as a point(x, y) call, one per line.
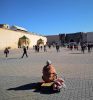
point(6, 52)
point(24, 52)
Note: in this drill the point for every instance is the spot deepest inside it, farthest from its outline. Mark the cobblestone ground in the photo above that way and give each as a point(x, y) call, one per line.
point(17, 75)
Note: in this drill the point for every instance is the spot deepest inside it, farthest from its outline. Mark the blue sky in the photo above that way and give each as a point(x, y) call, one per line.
point(48, 17)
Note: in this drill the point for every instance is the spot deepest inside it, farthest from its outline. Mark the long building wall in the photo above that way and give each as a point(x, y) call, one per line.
point(10, 38)
point(90, 37)
point(52, 38)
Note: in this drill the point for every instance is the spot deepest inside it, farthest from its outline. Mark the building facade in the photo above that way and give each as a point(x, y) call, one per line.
point(52, 39)
point(5, 26)
point(90, 37)
point(11, 38)
point(78, 37)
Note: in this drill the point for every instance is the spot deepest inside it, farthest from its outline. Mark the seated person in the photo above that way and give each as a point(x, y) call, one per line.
point(49, 72)
point(49, 75)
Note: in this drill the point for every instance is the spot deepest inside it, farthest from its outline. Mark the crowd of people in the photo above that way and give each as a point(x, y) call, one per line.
point(44, 48)
point(81, 47)
point(37, 48)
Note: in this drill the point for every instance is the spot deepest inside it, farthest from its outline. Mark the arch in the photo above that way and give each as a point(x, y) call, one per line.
point(40, 42)
point(72, 40)
point(23, 41)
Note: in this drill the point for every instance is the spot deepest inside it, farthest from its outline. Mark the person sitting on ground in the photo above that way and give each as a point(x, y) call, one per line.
point(49, 72)
point(50, 75)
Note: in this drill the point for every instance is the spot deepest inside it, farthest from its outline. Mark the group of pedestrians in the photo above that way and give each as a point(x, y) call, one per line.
point(6, 51)
point(83, 47)
point(86, 47)
point(71, 47)
point(37, 48)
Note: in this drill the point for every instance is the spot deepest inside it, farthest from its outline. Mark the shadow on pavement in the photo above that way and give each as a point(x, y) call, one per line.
point(27, 87)
point(76, 53)
point(35, 86)
point(12, 58)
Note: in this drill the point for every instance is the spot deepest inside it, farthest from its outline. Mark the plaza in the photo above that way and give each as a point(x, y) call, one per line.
point(74, 67)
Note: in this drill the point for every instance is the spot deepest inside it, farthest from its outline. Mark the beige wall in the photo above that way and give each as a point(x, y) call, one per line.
point(9, 38)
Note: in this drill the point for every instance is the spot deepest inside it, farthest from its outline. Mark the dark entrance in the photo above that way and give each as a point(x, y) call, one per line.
point(72, 40)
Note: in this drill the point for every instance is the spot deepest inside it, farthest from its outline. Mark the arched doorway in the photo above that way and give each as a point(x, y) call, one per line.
point(23, 41)
point(40, 42)
point(71, 40)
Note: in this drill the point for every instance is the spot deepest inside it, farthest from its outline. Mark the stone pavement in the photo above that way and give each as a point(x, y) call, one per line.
point(17, 76)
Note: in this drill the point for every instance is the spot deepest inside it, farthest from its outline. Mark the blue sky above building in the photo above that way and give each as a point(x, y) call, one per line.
point(48, 17)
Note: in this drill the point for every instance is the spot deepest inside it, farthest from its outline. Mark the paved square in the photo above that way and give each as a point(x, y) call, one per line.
point(17, 75)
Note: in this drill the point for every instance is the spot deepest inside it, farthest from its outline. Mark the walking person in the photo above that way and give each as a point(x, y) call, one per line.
point(57, 48)
point(45, 50)
point(83, 48)
point(24, 52)
point(6, 52)
point(89, 48)
point(37, 48)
